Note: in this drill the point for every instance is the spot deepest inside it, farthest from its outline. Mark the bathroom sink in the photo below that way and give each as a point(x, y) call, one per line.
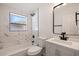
point(64, 42)
point(56, 40)
point(68, 43)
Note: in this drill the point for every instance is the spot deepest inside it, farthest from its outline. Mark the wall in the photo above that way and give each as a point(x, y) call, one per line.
point(14, 38)
point(8, 38)
point(46, 21)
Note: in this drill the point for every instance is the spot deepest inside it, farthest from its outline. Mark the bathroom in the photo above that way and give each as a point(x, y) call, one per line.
point(30, 29)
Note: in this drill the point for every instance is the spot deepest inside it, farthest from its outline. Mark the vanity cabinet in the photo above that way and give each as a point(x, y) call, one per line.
point(53, 49)
point(50, 49)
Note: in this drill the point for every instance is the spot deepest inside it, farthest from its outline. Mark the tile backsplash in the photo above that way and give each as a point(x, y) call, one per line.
point(12, 39)
point(8, 38)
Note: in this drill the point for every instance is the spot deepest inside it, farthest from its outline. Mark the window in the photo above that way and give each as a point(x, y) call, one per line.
point(17, 22)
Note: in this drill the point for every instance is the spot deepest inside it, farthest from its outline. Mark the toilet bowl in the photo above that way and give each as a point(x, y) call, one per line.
point(37, 48)
point(34, 50)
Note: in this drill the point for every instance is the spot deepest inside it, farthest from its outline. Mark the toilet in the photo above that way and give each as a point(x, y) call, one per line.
point(35, 50)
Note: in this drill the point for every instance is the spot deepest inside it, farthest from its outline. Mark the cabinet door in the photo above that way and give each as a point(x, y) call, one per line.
point(50, 49)
point(58, 50)
point(64, 51)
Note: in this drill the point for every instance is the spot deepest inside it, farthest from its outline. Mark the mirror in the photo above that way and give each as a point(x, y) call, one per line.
point(66, 18)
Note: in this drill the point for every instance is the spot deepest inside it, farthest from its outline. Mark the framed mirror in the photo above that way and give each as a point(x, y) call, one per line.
point(66, 18)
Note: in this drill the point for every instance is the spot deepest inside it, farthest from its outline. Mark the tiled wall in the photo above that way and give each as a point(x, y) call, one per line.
point(8, 38)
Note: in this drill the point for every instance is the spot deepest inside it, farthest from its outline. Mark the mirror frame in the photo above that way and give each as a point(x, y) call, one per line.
point(76, 13)
point(54, 17)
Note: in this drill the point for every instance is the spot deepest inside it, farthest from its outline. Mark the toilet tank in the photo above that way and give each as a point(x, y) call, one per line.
point(41, 41)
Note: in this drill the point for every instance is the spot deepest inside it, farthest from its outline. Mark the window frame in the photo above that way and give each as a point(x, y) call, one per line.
point(10, 30)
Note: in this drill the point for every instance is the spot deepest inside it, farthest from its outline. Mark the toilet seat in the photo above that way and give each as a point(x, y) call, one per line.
point(34, 50)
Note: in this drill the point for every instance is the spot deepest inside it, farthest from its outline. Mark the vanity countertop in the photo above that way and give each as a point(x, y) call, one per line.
point(70, 44)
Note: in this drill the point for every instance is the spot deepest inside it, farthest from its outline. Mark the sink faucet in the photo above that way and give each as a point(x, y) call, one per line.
point(62, 37)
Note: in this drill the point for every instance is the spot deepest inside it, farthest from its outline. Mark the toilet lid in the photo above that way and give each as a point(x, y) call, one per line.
point(34, 50)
